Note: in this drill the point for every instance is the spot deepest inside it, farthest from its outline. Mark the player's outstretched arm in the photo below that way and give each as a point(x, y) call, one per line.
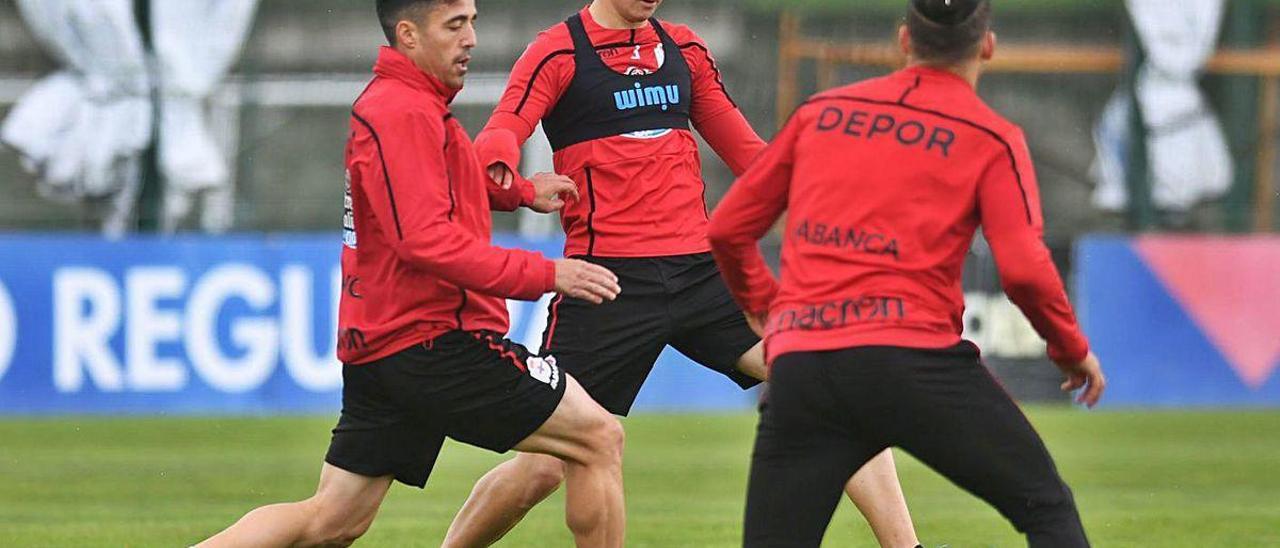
point(1009, 202)
point(413, 204)
point(733, 139)
point(536, 82)
point(752, 206)
point(714, 113)
point(544, 192)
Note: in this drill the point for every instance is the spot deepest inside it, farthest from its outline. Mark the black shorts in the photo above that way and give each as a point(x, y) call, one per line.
point(831, 412)
point(679, 301)
point(475, 387)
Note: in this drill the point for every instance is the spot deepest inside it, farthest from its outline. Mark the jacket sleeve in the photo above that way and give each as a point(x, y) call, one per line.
point(710, 97)
point(521, 193)
point(537, 81)
point(753, 205)
point(500, 141)
point(715, 115)
point(732, 138)
point(1009, 203)
point(414, 206)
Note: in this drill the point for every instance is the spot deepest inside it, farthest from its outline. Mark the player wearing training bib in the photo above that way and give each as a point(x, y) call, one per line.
point(885, 183)
point(619, 121)
point(619, 94)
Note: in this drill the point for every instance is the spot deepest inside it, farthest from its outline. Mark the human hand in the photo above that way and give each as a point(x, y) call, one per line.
point(550, 191)
point(586, 281)
point(1086, 374)
point(501, 175)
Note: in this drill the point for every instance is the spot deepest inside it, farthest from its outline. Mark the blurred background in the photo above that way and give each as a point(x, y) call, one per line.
point(172, 193)
point(174, 119)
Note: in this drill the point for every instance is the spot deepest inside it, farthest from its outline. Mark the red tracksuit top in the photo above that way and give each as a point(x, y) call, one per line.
point(416, 260)
point(885, 183)
point(646, 194)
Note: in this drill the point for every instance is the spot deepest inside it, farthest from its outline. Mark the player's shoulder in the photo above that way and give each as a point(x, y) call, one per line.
point(550, 45)
point(977, 111)
point(814, 104)
point(1003, 125)
point(389, 103)
point(866, 91)
point(551, 39)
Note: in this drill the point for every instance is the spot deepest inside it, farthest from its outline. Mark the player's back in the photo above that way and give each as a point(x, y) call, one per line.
point(884, 204)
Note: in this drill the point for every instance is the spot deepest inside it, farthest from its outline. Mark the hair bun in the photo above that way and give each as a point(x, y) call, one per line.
point(946, 12)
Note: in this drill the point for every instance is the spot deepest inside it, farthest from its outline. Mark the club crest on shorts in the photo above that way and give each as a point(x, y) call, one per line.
point(544, 370)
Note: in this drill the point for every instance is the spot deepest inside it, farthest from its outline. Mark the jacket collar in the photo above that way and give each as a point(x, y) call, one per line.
point(938, 74)
point(397, 66)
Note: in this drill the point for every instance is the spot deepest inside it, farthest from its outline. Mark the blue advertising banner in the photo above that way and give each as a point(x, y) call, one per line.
point(213, 325)
point(1183, 321)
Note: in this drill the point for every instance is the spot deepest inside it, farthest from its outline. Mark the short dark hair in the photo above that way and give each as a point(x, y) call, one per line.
point(392, 12)
point(947, 31)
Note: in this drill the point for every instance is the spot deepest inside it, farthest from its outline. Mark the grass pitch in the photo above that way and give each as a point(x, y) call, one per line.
point(1142, 479)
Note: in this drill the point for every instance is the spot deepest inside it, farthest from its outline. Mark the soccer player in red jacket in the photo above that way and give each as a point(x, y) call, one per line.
point(423, 309)
point(618, 94)
point(885, 183)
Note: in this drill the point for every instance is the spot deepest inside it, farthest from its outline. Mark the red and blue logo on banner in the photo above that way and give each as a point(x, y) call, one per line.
point(1181, 320)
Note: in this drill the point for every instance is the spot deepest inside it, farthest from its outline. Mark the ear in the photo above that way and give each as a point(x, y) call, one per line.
point(407, 34)
point(904, 40)
point(989, 46)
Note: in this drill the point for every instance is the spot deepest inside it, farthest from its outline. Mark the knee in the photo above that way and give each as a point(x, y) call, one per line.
point(333, 529)
point(337, 536)
point(545, 476)
point(1055, 513)
point(607, 439)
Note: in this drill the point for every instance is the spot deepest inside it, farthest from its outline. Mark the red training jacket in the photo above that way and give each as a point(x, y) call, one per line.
point(886, 182)
point(416, 260)
point(647, 192)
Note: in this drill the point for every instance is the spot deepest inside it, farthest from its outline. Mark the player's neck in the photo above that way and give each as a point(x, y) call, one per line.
point(968, 71)
point(609, 18)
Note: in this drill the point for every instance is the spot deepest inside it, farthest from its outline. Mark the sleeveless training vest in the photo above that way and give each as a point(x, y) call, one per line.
point(602, 103)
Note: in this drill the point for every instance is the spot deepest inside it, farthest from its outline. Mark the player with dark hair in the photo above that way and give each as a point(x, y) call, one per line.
point(885, 183)
point(423, 309)
point(618, 93)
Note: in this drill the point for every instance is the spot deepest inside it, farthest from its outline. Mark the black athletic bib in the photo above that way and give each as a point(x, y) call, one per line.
point(602, 103)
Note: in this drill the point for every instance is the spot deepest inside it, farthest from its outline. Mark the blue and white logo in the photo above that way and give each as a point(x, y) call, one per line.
point(660, 96)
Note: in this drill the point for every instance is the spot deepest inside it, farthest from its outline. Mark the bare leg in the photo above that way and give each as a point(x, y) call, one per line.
point(585, 442)
point(340, 512)
point(503, 497)
point(752, 363)
point(874, 489)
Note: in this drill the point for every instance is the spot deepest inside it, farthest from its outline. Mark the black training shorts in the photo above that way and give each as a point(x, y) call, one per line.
point(679, 301)
point(475, 387)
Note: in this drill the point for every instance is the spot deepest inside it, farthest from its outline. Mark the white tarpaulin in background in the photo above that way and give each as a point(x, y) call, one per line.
point(1187, 150)
point(192, 59)
point(82, 129)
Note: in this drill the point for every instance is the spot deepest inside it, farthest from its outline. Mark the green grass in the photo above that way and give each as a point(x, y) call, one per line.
point(1142, 479)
